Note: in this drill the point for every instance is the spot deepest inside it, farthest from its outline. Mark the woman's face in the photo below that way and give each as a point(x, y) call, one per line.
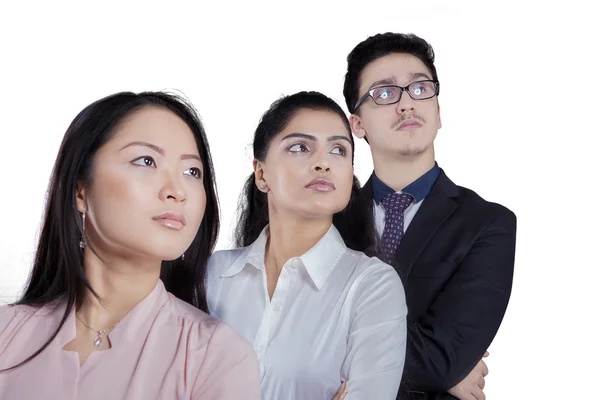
point(146, 196)
point(308, 168)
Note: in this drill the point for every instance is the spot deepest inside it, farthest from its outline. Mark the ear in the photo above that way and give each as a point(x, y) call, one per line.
point(357, 126)
point(259, 176)
point(81, 196)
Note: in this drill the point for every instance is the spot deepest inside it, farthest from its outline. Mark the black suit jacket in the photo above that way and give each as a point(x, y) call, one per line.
point(456, 261)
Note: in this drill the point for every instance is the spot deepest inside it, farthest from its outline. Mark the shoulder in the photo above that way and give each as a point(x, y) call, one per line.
point(220, 260)
point(27, 326)
point(187, 315)
point(368, 265)
point(205, 331)
point(479, 204)
point(373, 274)
point(10, 312)
point(376, 286)
point(492, 216)
point(228, 367)
point(481, 211)
point(210, 345)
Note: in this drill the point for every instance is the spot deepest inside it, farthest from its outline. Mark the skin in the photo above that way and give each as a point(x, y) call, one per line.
point(150, 166)
point(400, 156)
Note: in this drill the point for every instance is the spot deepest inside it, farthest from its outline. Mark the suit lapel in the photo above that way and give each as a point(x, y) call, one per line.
point(437, 207)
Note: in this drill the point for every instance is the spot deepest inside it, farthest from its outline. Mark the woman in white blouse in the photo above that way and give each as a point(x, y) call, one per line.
point(318, 313)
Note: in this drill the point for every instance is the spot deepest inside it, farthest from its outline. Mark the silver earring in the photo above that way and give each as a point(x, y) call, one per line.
point(262, 187)
point(183, 257)
point(82, 241)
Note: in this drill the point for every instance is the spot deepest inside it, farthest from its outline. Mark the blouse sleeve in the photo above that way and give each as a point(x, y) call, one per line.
point(377, 336)
point(229, 369)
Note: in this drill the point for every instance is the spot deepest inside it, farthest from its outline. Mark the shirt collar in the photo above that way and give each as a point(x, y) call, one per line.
point(419, 189)
point(319, 261)
point(253, 255)
point(322, 258)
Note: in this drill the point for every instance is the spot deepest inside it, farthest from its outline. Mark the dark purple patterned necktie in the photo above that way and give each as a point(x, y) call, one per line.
point(394, 204)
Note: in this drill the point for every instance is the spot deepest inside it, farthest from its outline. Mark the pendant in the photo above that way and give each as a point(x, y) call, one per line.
point(97, 341)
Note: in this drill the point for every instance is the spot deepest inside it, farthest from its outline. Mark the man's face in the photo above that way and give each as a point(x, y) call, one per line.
point(406, 128)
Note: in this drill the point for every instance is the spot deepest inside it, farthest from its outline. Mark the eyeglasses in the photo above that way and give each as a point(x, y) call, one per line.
point(390, 94)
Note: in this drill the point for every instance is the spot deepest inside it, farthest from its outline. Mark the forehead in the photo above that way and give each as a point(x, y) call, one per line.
point(316, 122)
point(156, 125)
point(398, 66)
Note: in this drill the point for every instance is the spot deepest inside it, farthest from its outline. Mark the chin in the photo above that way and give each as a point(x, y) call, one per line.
point(171, 258)
point(319, 209)
point(165, 252)
point(408, 149)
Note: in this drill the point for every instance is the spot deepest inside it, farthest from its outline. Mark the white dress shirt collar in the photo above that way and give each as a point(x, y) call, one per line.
point(318, 261)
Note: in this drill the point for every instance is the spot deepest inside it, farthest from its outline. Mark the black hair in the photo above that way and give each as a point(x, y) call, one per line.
point(355, 222)
point(378, 46)
point(58, 272)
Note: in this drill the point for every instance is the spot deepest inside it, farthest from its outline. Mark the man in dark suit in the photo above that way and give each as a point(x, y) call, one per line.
point(453, 250)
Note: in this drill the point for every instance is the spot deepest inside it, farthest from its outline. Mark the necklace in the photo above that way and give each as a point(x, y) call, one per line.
point(99, 332)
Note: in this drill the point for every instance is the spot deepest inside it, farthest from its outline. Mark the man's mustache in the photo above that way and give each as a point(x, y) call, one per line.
point(405, 117)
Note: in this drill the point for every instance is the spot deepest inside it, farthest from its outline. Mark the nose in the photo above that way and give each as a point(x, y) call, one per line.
point(406, 103)
point(172, 189)
point(321, 165)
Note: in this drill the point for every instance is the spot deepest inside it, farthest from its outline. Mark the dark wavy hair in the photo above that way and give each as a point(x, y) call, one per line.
point(378, 46)
point(355, 222)
point(57, 271)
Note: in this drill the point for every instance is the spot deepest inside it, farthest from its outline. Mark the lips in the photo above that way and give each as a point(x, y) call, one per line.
point(409, 124)
point(321, 185)
point(171, 220)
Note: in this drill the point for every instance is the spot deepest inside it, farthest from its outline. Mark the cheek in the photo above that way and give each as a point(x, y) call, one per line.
point(344, 176)
point(433, 115)
point(114, 193)
point(287, 176)
point(348, 179)
point(196, 203)
point(119, 207)
point(380, 121)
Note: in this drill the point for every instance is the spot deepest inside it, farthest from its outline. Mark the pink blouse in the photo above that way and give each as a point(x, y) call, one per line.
point(163, 349)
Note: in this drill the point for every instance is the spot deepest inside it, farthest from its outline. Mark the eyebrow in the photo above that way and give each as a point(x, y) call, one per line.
point(414, 75)
point(392, 81)
point(314, 138)
point(386, 81)
point(160, 150)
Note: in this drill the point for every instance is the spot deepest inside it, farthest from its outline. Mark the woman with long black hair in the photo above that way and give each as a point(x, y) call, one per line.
point(115, 306)
point(317, 312)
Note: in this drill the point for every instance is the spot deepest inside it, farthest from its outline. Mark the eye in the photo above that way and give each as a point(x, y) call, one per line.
point(383, 94)
point(145, 161)
point(298, 148)
point(339, 150)
point(386, 94)
point(194, 171)
point(420, 89)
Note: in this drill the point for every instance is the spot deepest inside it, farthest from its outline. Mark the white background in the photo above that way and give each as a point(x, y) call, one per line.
point(519, 112)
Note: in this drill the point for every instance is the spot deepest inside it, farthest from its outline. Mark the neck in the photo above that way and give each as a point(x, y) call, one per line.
point(120, 285)
point(399, 172)
point(292, 236)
